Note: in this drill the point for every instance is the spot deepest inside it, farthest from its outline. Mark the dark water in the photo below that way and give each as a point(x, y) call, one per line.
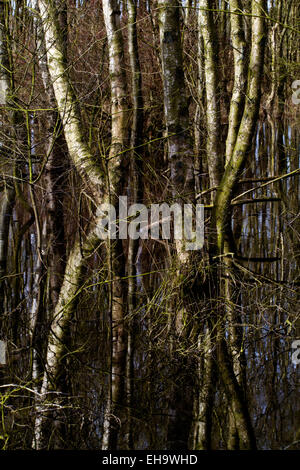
point(268, 306)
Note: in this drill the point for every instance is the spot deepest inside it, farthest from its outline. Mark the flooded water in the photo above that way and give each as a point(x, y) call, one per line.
point(164, 379)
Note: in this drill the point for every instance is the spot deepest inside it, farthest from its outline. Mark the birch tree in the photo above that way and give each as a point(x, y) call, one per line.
point(118, 295)
point(240, 67)
point(135, 183)
point(212, 82)
point(89, 169)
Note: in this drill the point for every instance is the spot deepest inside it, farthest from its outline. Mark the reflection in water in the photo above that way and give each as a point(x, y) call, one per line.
point(165, 363)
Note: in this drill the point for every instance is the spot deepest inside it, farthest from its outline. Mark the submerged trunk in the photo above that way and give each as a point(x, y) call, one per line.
point(200, 435)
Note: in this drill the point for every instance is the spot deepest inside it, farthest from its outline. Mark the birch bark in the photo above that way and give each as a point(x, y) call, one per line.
point(116, 180)
point(89, 169)
point(136, 168)
point(240, 68)
point(213, 139)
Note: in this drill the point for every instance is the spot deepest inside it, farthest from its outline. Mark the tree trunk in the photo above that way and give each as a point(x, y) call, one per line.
point(89, 169)
point(116, 181)
point(135, 188)
point(182, 171)
point(213, 118)
point(222, 217)
point(240, 67)
point(8, 162)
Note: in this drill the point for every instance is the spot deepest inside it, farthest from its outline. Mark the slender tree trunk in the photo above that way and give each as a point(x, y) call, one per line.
point(55, 166)
point(116, 181)
point(51, 253)
point(213, 118)
point(208, 59)
point(181, 166)
point(235, 114)
point(199, 121)
point(136, 195)
point(6, 208)
point(176, 110)
point(240, 68)
point(89, 169)
point(56, 340)
point(85, 163)
point(200, 438)
point(188, 11)
point(8, 162)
